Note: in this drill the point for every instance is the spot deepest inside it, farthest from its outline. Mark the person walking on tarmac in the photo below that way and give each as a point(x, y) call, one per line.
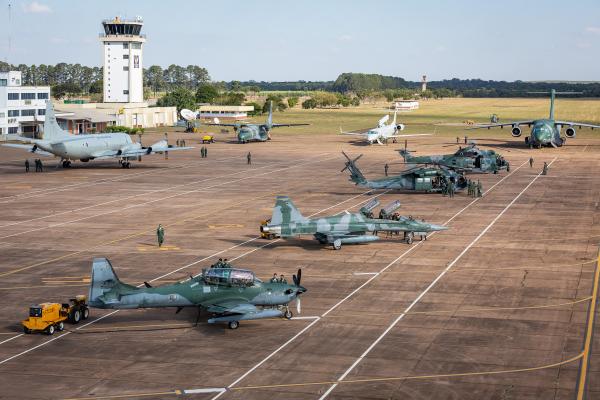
point(249, 158)
point(27, 165)
point(545, 169)
point(160, 235)
point(40, 165)
point(205, 152)
point(469, 187)
point(530, 162)
point(451, 188)
point(479, 188)
point(385, 168)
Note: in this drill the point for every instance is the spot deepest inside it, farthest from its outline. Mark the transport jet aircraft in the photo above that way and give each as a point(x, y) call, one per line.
point(383, 132)
point(96, 146)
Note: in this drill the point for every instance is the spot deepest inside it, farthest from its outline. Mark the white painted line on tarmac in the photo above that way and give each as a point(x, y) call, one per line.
point(365, 273)
point(428, 288)
point(14, 337)
point(361, 286)
point(308, 317)
point(33, 348)
point(207, 390)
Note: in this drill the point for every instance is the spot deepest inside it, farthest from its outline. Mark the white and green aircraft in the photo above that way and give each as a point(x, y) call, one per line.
point(86, 147)
point(383, 132)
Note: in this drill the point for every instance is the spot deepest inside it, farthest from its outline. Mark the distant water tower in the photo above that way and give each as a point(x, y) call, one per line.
point(123, 71)
point(424, 83)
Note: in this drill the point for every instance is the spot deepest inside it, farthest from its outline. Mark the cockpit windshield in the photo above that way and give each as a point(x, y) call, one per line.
point(228, 276)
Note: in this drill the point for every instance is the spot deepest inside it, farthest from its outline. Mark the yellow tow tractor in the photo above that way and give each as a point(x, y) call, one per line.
point(51, 317)
point(208, 139)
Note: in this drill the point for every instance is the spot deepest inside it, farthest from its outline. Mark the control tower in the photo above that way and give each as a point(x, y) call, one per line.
point(122, 52)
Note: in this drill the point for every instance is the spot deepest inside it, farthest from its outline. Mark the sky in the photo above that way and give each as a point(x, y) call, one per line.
point(281, 40)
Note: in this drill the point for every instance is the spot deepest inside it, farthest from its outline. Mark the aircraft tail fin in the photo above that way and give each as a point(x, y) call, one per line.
point(270, 116)
point(285, 211)
point(103, 279)
point(356, 175)
point(52, 130)
point(552, 94)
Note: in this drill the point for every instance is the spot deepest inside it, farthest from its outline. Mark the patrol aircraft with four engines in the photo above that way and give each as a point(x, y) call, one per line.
point(231, 294)
point(98, 146)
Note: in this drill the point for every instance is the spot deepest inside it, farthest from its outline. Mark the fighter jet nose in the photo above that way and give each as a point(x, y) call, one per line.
point(438, 227)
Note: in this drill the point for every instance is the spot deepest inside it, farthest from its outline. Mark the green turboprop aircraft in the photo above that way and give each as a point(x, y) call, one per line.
point(345, 228)
point(231, 294)
point(544, 132)
point(256, 132)
point(418, 179)
point(467, 159)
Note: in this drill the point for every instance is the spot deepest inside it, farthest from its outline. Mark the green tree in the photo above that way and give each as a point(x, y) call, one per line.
point(180, 98)
point(292, 101)
point(206, 93)
point(309, 103)
point(257, 108)
point(96, 87)
point(66, 89)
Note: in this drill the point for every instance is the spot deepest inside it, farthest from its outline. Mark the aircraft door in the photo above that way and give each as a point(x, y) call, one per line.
point(478, 162)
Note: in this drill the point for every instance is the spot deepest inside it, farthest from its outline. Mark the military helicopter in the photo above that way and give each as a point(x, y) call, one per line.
point(418, 179)
point(256, 132)
point(465, 159)
point(231, 294)
point(345, 228)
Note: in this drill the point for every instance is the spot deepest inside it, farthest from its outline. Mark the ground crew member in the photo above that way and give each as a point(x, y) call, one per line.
point(205, 152)
point(545, 170)
point(282, 279)
point(451, 189)
point(444, 186)
point(160, 235)
point(249, 157)
point(530, 162)
point(226, 264)
point(466, 139)
point(469, 187)
point(27, 165)
point(202, 152)
point(274, 279)
point(386, 167)
point(479, 188)
point(41, 165)
point(457, 140)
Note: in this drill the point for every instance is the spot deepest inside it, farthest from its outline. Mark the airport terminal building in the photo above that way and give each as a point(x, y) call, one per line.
point(21, 107)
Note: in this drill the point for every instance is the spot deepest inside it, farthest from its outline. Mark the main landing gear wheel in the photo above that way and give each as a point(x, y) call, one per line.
point(126, 164)
point(233, 324)
point(337, 244)
point(66, 164)
point(288, 314)
point(408, 237)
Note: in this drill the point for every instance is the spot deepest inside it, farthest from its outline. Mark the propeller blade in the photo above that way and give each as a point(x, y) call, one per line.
point(298, 305)
point(299, 276)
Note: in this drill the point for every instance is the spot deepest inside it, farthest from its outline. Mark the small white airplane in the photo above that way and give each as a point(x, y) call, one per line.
point(98, 146)
point(383, 132)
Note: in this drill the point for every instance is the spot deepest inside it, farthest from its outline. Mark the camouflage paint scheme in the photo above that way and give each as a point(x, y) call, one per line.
point(346, 228)
point(467, 159)
point(544, 132)
point(418, 179)
point(256, 132)
point(232, 294)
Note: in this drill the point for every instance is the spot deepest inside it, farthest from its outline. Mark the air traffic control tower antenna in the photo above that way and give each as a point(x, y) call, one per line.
point(123, 71)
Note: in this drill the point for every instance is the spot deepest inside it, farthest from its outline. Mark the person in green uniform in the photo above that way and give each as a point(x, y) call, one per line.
point(160, 235)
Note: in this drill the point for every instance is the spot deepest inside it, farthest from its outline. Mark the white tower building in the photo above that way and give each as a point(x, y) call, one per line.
point(122, 52)
point(424, 83)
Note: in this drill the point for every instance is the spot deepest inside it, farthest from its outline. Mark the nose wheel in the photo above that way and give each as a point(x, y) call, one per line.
point(287, 314)
point(233, 324)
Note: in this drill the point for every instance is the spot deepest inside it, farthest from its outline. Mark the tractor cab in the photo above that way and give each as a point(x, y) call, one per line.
point(229, 277)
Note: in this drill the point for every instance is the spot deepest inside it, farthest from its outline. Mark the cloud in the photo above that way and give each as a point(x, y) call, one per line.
point(583, 45)
point(345, 38)
point(593, 29)
point(36, 8)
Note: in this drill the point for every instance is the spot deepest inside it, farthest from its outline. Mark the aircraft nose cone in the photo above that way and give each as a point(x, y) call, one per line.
point(300, 289)
point(438, 227)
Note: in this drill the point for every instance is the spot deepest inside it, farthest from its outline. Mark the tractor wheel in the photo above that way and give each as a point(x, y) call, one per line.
point(76, 316)
point(26, 330)
point(288, 314)
point(50, 330)
point(60, 326)
point(233, 324)
point(86, 313)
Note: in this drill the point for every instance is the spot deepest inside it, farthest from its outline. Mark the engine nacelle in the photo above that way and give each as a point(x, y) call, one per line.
point(516, 131)
point(161, 145)
point(129, 147)
point(570, 132)
point(400, 127)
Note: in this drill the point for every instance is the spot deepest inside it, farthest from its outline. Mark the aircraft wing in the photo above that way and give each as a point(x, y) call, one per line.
point(488, 126)
point(29, 148)
point(232, 306)
point(412, 134)
point(569, 123)
point(103, 155)
point(353, 133)
point(219, 124)
point(280, 125)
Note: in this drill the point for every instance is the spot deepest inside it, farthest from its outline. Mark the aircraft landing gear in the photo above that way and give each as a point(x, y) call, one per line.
point(125, 164)
point(408, 237)
point(337, 244)
point(287, 314)
point(66, 164)
point(233, 324)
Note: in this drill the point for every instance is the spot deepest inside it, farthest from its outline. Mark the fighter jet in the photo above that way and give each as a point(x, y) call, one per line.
point(418, 179)
point(345, 228)
point(230, 294)
point(97, 146)
point(383, 132)
point(544, 132)
point(468, 159)
point(256, 132)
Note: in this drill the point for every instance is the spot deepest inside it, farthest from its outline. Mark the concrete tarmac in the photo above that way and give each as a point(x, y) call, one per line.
point(494, 308)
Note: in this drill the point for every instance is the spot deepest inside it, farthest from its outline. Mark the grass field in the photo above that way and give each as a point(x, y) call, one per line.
point(432, 112)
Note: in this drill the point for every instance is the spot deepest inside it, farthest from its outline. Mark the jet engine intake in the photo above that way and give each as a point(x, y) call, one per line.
point(161, 145)
point(516, 131)
point(570, 132)
point(400, 127)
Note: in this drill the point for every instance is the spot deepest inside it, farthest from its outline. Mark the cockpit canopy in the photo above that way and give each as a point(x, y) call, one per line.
point(228, 276)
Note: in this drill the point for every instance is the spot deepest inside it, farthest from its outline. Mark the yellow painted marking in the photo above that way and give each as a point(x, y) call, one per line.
point(588, 335)
point(218, 226)
point(105, 328)
point(413, 377)
point(156, 248)
point(133, 235)
point(125, 396)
